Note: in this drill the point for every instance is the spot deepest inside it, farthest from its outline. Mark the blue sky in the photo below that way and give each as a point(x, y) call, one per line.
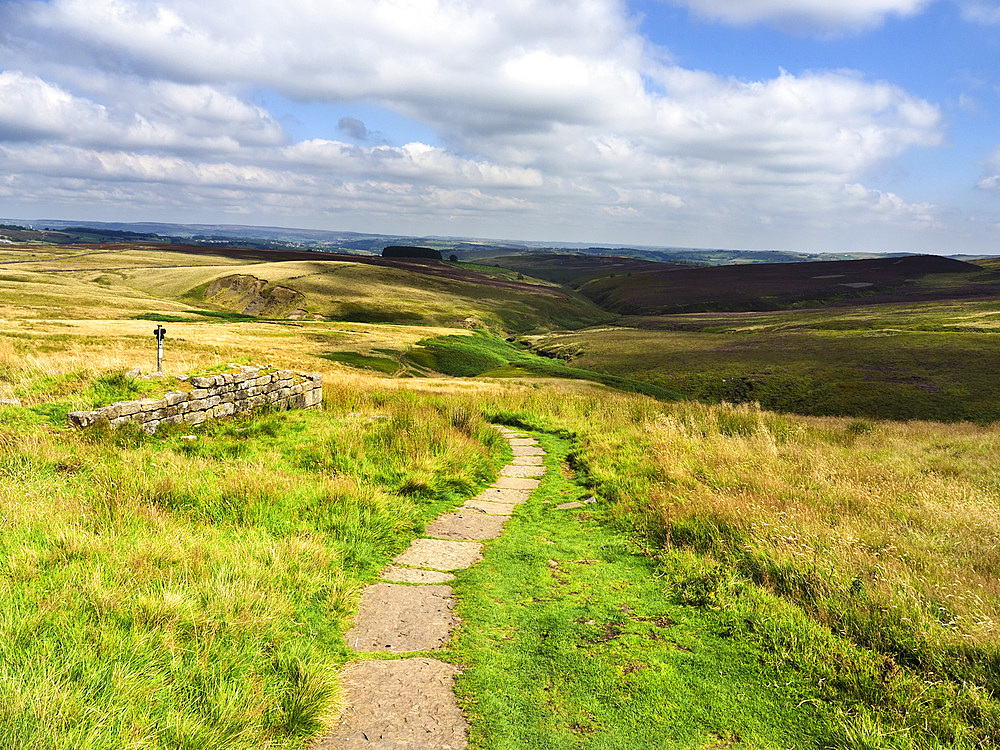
point(868, 125)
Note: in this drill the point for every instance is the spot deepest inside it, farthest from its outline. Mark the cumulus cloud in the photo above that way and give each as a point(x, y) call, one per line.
point(550, 113)
point(805, 15)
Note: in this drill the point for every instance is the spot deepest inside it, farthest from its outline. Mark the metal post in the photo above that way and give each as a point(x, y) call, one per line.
point(159, 333)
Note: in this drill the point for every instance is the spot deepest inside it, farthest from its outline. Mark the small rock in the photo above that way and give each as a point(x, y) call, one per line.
point(590, 500)
point(133, 373)
point(9, 402)
point(553, 564)
point(181, 377)
point(157, 374)
point(189, 438)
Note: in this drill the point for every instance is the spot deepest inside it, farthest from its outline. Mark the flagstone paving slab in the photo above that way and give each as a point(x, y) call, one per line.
point(398, 705)
point(497, 495)
point(527, 450)
point(515, 483)
point(440, 554)
point(402, 574)
point(528, 461)
point(485, 506)
point(410, 704)
point(397, 618)
point(469, 527)
point(522, 471)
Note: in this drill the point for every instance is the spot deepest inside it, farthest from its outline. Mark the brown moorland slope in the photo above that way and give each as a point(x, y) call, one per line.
point(575, 269)
point(772, 286)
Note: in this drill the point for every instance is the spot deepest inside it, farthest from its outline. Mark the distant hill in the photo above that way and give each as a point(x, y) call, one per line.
point(575, 269)
point(323, 240)
point(773, 286)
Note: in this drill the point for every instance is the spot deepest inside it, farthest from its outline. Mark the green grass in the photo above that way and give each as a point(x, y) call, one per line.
point(486, 354)
point(364, 361)
point(160, 592)
point(571, 640)
point(928, 361)
point(810, 557)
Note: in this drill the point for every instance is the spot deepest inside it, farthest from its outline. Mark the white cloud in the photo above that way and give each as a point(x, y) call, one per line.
point(553, 114)
point(991, 177)
point(823, 16)
point(981, 11)
point(30, 109)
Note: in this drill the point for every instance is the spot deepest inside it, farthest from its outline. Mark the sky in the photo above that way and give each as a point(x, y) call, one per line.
point(809, 125)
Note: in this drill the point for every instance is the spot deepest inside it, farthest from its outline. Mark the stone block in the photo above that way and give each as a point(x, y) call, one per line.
point(195, 417)
point(224, 409)
point(263, 380)
point(174, 397)
point(150, 427)
point(81, 419)
point(109, 412)
point(150, 404)
point(203, 381)
point(127, 408)
point(198, 393)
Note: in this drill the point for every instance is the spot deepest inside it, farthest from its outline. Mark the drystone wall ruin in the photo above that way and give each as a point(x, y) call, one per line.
point(213, 397)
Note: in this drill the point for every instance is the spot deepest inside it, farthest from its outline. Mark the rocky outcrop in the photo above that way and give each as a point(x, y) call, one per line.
point(251, 296)
point(213, 397)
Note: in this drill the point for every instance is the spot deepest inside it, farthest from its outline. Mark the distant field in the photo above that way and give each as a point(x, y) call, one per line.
point(926, 361)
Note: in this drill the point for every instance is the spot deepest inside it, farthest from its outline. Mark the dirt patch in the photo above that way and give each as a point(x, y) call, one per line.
point(249, 295)
point(467, 527)
point(397, 618)
point(440, 554)
point(398, 705)
point(402, 574)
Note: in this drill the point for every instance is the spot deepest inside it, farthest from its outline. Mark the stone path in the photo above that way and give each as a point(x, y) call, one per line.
point(410, 703)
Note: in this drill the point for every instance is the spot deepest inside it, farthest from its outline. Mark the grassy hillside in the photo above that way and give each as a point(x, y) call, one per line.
point(108, 281)
point(923, 361)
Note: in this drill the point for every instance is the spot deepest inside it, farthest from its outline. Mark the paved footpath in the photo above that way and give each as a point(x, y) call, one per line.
point(409, 703)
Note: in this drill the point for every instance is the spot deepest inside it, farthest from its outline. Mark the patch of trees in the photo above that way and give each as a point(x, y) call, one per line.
point(409, 251)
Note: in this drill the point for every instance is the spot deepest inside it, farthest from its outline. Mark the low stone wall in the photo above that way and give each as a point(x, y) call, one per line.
point(213, 396)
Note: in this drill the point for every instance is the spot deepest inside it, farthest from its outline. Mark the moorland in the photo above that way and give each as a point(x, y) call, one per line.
point(795, 540)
